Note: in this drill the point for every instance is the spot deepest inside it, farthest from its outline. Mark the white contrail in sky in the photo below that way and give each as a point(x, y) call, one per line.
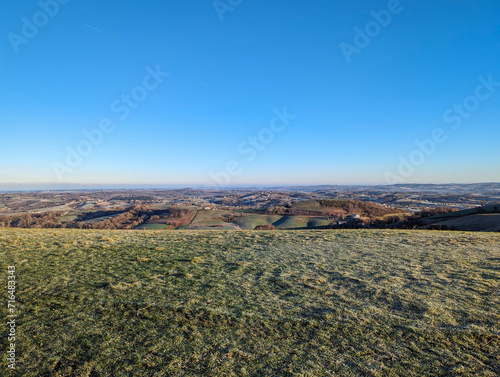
point(107, 35)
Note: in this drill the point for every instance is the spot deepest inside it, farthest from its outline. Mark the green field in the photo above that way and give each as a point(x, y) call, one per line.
point(259, 303)
point(249, 222)
point(207, 218)
point(67, 218)
point(290, 222)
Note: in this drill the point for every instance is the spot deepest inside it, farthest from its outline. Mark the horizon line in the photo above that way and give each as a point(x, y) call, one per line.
point(7, 187)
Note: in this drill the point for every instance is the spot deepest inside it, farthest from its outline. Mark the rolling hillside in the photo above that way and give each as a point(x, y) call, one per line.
point(485, 219)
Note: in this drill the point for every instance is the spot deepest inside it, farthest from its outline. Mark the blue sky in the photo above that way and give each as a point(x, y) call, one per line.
point(356, 115)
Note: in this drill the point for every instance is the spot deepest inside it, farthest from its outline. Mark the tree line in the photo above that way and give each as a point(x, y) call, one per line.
point(129, 218)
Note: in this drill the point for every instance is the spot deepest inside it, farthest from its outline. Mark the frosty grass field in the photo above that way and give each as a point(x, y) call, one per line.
point(254, 303)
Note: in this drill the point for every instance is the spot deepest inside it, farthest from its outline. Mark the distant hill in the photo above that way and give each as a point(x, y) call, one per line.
point(472, 188)
point(485, 219)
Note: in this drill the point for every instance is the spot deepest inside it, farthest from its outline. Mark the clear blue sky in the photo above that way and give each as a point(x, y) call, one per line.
point(357, 114)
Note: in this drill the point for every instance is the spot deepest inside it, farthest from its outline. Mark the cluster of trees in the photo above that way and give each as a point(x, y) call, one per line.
point(265, 227)
point(435, 211)
point(383, 223)
point(275, 210)
point(229, 218)
point(366, 209)
point(32, 220)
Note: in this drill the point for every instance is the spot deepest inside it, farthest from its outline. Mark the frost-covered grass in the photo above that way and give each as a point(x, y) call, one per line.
point(248, 303)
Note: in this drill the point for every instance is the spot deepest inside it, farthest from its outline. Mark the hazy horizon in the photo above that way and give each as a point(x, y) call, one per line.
point(77, 187)
point(249, 93)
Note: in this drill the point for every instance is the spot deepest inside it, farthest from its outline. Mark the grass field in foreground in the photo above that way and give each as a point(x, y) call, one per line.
point(247, 303)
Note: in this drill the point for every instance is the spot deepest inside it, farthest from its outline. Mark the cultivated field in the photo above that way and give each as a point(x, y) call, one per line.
point(253, 303)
